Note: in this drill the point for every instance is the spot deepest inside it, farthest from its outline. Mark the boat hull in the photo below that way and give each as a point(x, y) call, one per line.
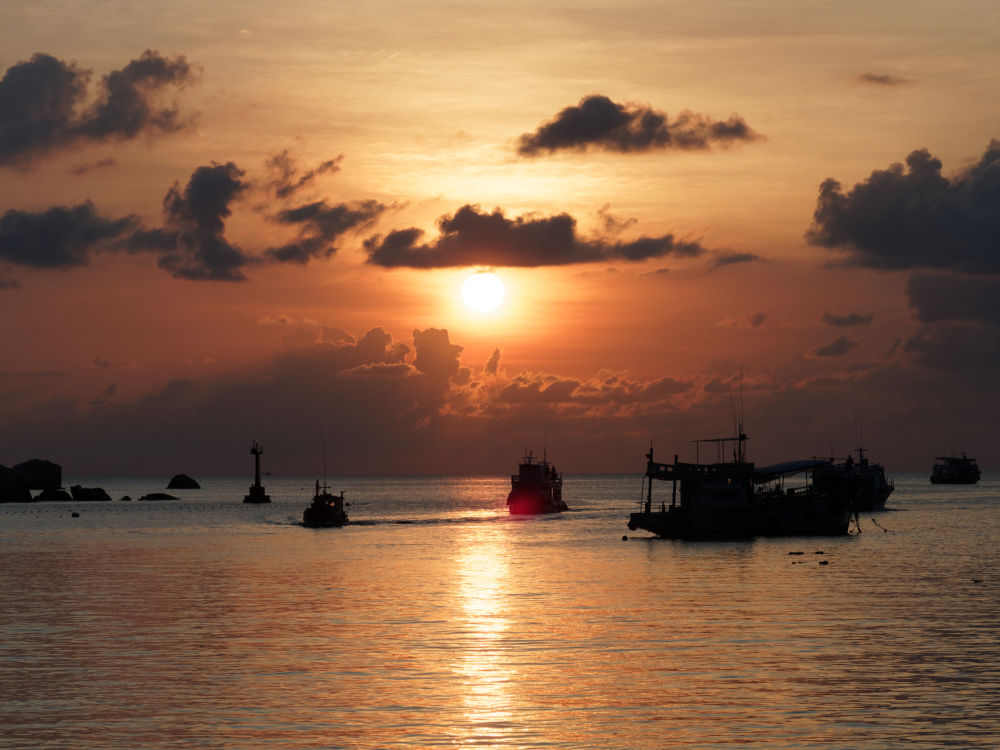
point(828, 514)
point(318, 519)
point(533, 503)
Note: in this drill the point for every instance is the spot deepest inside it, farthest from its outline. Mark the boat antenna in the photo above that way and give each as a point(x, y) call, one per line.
point(322, 445)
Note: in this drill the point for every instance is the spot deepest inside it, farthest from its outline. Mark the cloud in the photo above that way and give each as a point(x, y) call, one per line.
point(730, 259)
point(104, 396)
point(492, 365)
point(321, 225)
point(472, 238)
point(287, 180)
point(82, 169)
point(838, 348)
point(599, 123)
point(192, 244)
point(42, 105)
point(913, 217)
point(59, 237)
point(882, 79)
point(749, 321)
point(848, 320)
point(941, 297)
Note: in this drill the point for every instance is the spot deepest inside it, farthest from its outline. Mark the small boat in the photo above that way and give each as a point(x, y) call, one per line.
point(536, 488)
point(869, 486)
point(738, 500)
point(955, 470)
point(326, 510)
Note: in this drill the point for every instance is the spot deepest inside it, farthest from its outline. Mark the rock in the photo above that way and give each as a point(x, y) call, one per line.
point(158, 496)
point(50, 494)
point(13, 488)
point(75, 514)
point(88, 493)
point(183, 482)
point(125, 499)
point(40, 474)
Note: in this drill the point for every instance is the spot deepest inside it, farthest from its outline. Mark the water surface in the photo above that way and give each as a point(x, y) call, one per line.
point(435, 620)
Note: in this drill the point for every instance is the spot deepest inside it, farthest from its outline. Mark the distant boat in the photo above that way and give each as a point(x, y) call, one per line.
point(869, 486)
point(256, 494)
point(955, 470)
point(733, 500)
point(536, 488)
point(327, 509)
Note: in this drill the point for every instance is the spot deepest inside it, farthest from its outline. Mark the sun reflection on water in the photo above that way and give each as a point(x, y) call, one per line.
point(483, 664)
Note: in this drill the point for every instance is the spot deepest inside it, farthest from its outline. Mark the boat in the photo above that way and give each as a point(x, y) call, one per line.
point(738, 500)
point(955, 470)
point(256, 493)
point(869, 486)
point(536, 488)
point(326, 510)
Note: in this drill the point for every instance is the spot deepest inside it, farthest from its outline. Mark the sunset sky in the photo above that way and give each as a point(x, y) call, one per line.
point(230, 221)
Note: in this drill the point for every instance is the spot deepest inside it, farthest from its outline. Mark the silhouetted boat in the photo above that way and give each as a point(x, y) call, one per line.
point(536, 488)
point(326, 510)
point(955, 470)
point(732, 500)
point(869, 486)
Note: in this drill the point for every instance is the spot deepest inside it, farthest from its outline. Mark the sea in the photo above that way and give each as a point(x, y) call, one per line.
point(436, 620)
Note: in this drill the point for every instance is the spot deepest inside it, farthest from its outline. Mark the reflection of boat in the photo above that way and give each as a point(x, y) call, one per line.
point(738, 499)
point(869, 486)
point(326, 510)
point(256, 493)
point(536, 488)
point(955, 470)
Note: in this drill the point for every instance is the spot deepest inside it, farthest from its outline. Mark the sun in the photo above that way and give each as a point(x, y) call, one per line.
point(482, 292)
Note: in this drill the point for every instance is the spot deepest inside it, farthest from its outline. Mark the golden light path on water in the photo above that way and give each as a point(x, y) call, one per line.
point(483, 597)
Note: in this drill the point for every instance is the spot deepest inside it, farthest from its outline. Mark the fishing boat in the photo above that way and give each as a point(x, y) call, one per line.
point(536, 488)
point(955, 470)
point(737, 499)
point(869, 486)
point(327, 509)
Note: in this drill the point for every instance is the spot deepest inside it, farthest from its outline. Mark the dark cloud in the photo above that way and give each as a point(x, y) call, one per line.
point(882, 79)
point(192, 244)
point(82, 169)
point(941, 297)
point(749, 321)
point(102, 398)
point(837, 348)
point(6, 283)
point(58, 237)
point(599, 123)
point(913, 217)
point(288, 179)
point(614, 224)
point(436, 356)
point(492, 365)
point(321, 225)
point(847, 320)
point(730, 259)
point(41, 105)
point(473, 238)
point(972, 352)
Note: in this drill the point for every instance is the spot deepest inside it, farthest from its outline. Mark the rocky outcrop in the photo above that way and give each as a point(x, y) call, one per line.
point(13, 488)
point(40, 474)
point(50, 494)
point(183, 482)
point(88, 493)
point(157, 496)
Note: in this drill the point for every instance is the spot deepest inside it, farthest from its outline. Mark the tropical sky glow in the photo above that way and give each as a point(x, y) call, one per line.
point(233, 221)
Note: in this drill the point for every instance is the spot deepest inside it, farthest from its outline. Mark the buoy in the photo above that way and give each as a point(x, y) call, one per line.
point(824, 562)
point(624, 537)
point(75, 514)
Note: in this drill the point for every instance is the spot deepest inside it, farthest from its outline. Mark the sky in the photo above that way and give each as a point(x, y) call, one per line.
point(243, 221)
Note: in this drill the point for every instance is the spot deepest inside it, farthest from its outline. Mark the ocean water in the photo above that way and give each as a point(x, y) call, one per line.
point(435, 620)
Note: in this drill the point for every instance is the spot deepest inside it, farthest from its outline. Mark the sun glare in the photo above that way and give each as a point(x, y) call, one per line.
point(482, 292)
